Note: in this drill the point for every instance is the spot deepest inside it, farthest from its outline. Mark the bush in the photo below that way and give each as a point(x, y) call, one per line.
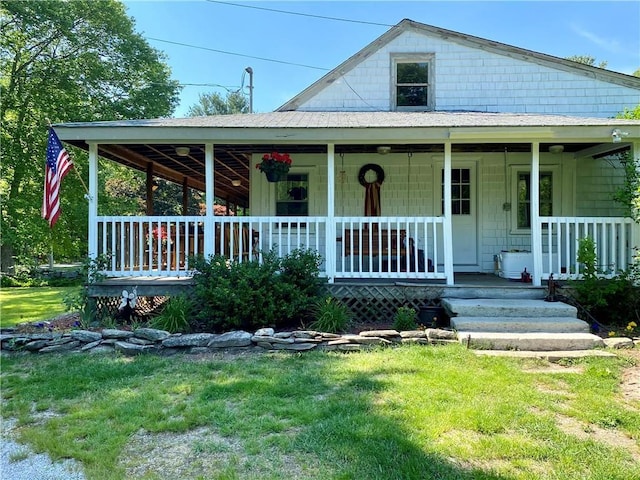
point(330, 315)
point(249, 295)
point(405, 319)
point(174, 317)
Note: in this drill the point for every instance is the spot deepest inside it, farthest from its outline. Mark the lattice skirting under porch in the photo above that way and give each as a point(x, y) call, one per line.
point(375, 303)
point(107, 307)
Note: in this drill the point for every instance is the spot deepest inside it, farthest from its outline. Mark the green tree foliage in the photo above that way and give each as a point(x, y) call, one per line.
point(215, 104)
point(67, 62)
point(629, 194)
point(587, 60)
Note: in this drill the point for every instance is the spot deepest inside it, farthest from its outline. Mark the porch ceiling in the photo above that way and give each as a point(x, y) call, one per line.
point(233, 161)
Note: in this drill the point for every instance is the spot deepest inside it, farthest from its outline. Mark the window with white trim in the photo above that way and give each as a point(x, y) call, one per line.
point(413, 82)
point(549, 196)
point(292, 196)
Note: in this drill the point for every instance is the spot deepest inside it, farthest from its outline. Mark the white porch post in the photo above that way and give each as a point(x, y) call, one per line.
point(635, 238)
point(330, 249)
point(448, 230)
point(209, 200)
point(93, 201)
point(536, 230)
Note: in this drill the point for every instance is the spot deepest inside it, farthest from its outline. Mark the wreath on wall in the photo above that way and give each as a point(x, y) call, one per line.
point(371, 167)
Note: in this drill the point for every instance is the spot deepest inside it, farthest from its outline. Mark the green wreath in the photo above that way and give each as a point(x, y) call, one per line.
point(365, 169)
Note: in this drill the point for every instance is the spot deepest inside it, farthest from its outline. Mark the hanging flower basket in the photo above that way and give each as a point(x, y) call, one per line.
point(275, 166)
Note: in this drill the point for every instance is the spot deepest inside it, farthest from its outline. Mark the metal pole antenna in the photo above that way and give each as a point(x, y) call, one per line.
point(249, 70)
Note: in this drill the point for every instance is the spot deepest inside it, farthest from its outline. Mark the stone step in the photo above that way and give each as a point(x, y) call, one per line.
point(520, 324)
point(551, 356)
point(539, 342)
point(506, 307)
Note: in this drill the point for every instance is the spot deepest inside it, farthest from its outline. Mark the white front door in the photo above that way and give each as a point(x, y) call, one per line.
point(464, 211)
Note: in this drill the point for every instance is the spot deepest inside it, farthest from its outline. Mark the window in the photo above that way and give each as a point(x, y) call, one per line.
point(460, 191)
point(292, 196)
point(413, 88)
point(523, 187)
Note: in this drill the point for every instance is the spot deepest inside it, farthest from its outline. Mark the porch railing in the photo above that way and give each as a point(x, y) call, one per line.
point(613, 238)
point(363, 247)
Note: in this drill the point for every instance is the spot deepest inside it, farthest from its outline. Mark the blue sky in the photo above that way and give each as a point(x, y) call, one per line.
point(607, 30)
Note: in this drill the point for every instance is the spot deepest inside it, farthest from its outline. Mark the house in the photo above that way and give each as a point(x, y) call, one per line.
point(412, 160)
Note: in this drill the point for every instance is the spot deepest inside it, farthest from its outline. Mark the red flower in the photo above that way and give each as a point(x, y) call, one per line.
point(275, 162)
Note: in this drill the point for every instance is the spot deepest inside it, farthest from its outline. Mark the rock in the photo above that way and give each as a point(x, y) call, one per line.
point(306, 334)
point(60, 347)
point(272, 339)
point(151, 334)
point(283, 335)
point(422, 341)
point(117, 334)
point(188, 340)
point(86, 336)
point(413, 334)
point(264, 332)
point(36, 345)
point(131, 349)
point(437, 333)
point(139, 341)
point(380, 333)
point(296, 347)
point(231, 339)
point(328, 335)
point(91, 345)
point(364, 340)
point(619, 342)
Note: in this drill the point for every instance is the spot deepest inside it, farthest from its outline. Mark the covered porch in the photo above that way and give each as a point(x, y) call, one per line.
point(440, 174)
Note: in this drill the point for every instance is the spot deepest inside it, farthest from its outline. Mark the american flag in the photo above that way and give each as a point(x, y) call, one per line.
point(58, 165)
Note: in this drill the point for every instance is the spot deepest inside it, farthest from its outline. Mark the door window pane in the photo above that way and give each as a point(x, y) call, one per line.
point(460, 191)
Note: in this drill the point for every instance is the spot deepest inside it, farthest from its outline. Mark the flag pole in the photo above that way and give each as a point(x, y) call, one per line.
point(75, 170)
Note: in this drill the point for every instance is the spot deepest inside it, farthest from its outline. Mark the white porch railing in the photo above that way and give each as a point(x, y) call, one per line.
point(613, 237)
point(363, 247)
point(390, 247)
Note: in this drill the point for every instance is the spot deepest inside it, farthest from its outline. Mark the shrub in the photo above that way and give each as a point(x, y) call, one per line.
point(249, 295)
point(405, 319)
point(330, 315)
point(174, 317)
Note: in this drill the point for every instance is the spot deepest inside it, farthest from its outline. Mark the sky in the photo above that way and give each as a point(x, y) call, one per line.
point(209, 44)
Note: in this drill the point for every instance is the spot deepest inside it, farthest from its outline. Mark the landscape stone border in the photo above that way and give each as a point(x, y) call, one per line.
point(150, 340)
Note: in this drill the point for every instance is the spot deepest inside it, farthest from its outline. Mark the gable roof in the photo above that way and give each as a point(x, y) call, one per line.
point(464, 39)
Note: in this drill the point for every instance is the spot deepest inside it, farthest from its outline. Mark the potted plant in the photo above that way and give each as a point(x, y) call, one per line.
point(275, 165)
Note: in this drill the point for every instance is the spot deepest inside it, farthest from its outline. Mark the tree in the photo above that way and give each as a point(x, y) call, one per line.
point(215, 104)
point(67, 62)
point(587, 60)
point(629, 194)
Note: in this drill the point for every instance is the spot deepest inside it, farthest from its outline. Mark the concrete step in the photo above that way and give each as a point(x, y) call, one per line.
point(539, 342)
point(551, 356)
point(520, 324)
point(506, 307)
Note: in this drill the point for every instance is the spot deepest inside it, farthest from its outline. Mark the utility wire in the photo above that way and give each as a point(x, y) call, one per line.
point(336, 19)
point(239, 54)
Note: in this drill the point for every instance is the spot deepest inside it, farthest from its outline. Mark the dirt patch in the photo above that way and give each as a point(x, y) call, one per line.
point(610, 437)
point(630, 384)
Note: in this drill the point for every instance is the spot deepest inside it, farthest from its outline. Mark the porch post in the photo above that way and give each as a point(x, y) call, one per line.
point(330, 249)
point(209, 198)
point(185, 197)
point(149, 187)
point(536, 228)
point(447, 229)
point(93, 201)
point(635, 233)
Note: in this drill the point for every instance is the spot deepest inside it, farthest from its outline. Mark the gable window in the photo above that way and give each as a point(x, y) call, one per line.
point(413, 82)
point(292, 196)
point(548, 197)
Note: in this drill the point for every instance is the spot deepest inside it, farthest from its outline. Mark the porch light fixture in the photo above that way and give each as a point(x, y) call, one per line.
point(556, 149)
point(617, 134)
point(182, 151)
point(383, 150)
point(236, 183)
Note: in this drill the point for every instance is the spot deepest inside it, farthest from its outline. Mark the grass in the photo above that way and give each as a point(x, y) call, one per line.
point(407, 413)
point(31, 304)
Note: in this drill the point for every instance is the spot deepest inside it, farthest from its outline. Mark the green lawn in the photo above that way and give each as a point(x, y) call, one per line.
point(412, 412)
point(31, 304)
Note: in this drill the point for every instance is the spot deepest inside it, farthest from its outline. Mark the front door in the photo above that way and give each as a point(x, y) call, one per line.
point(464, 216)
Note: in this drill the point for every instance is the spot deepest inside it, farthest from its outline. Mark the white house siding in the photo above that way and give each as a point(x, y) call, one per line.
point(596, 184)
point(470, 79)
point(414, 190)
